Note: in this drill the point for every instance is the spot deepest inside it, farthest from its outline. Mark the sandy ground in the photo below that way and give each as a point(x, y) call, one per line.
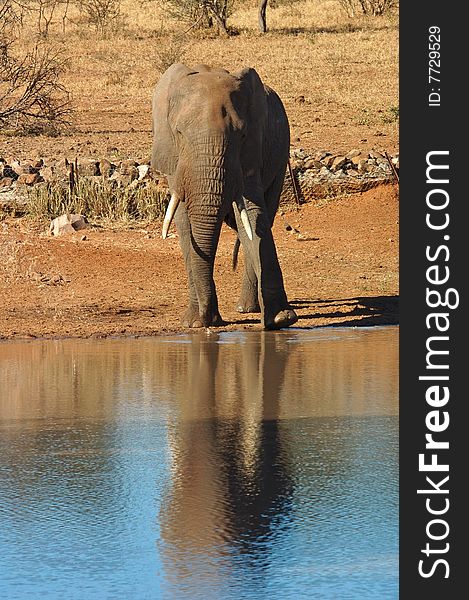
point(341, 268)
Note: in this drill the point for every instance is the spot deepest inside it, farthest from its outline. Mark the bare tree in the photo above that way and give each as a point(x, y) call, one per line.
point(201, 13)
point(31, 94)
point(367, 7)
point(101, 13)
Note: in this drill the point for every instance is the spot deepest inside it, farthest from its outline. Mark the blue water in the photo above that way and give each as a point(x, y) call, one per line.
point(228, 466)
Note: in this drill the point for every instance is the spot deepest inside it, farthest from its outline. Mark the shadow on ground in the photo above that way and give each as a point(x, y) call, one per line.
point(361, 311)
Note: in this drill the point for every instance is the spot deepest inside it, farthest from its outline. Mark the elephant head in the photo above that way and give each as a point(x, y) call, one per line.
point(223, 142)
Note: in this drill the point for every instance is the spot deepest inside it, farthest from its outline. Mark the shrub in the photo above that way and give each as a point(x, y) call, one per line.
point(201, 13)
point(32, 98)
point(375, 8)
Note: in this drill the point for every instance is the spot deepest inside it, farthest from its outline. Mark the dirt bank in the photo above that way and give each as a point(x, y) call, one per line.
point(340, 268)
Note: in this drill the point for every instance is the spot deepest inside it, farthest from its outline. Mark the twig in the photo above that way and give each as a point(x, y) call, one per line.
point(296, 187)
point(393, 168)
point(193, 25)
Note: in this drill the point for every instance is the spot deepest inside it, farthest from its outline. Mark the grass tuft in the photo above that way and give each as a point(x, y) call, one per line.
point(99, 201)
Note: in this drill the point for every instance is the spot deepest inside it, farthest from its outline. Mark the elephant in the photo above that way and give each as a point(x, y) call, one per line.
point(222, 140)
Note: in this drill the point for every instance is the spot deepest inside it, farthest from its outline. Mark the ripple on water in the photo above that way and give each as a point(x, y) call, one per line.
point(235, 465)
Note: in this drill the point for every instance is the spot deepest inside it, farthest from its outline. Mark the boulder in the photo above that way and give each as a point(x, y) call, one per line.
point(6, 182)
point(25, 167)
point(7, 171)
point(338, 163)
point(106, 167)
point(88, 166)
point(321, 154)
point(128, 168)
point(47, 173)
point(300, 153)
point(127, 165)
point(144, 172)
point(328, 160)
point(67, 223)
point(29, 179)
point(312, 163)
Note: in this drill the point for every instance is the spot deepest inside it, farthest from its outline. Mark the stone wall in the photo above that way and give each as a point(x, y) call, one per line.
point(315, 175)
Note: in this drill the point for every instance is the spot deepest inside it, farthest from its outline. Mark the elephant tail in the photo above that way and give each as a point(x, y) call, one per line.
point(235, 254)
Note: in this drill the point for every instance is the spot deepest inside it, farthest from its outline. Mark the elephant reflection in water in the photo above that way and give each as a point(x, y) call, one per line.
point(229, 476)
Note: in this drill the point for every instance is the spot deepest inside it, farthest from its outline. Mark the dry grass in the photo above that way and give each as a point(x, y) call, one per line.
point(100, 201)
point(337, 76)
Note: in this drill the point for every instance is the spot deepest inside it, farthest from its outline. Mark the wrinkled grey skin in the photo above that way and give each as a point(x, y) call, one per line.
point(223, 138)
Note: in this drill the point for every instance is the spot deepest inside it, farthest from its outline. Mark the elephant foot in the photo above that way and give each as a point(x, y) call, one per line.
point(248, 308)
point(248, 301)
point(284, 318)
point(192, 319)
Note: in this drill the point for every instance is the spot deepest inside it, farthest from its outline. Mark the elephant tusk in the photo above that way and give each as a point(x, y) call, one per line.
point(244, 218)
point(172, 206)
point(246, 223)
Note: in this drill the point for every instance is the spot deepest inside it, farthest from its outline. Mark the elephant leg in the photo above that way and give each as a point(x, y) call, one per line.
point(262, 255)
point(200, 251)
point(248, 301)
point(286, 316)
point(191, 316)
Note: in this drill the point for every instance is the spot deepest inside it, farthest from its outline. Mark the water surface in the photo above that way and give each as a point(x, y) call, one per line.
point(233, 465)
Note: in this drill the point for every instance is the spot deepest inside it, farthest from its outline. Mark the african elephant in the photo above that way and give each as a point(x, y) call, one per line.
point(223, 142)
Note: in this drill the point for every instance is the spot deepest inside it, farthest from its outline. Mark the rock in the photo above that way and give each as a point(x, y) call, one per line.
point(127, 165)
point(300, 153)
point(26, 167)
point(29, 179)
point(67, 223)
point(143, 172)
point(385, 167)
point(37, 163)
point(16, 167)
point(338, 163)
point(62, 166)
point(312, 163)
point(88, 166)
point(328, 160)
point(363, 165)
point(56, 280)
point(324, 172)
point(321, 154)
point(353, 154)
point(296, 163)
point(375, 154)
point(355, 160)
point(47, 173)
point(120, 180)
point(6, 182)
point(128, 168)
point(7, 171)
point(106, 167)
point(339, 174)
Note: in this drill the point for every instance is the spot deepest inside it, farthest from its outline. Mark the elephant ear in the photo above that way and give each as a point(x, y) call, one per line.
point(256, 116)
point(164, 152)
